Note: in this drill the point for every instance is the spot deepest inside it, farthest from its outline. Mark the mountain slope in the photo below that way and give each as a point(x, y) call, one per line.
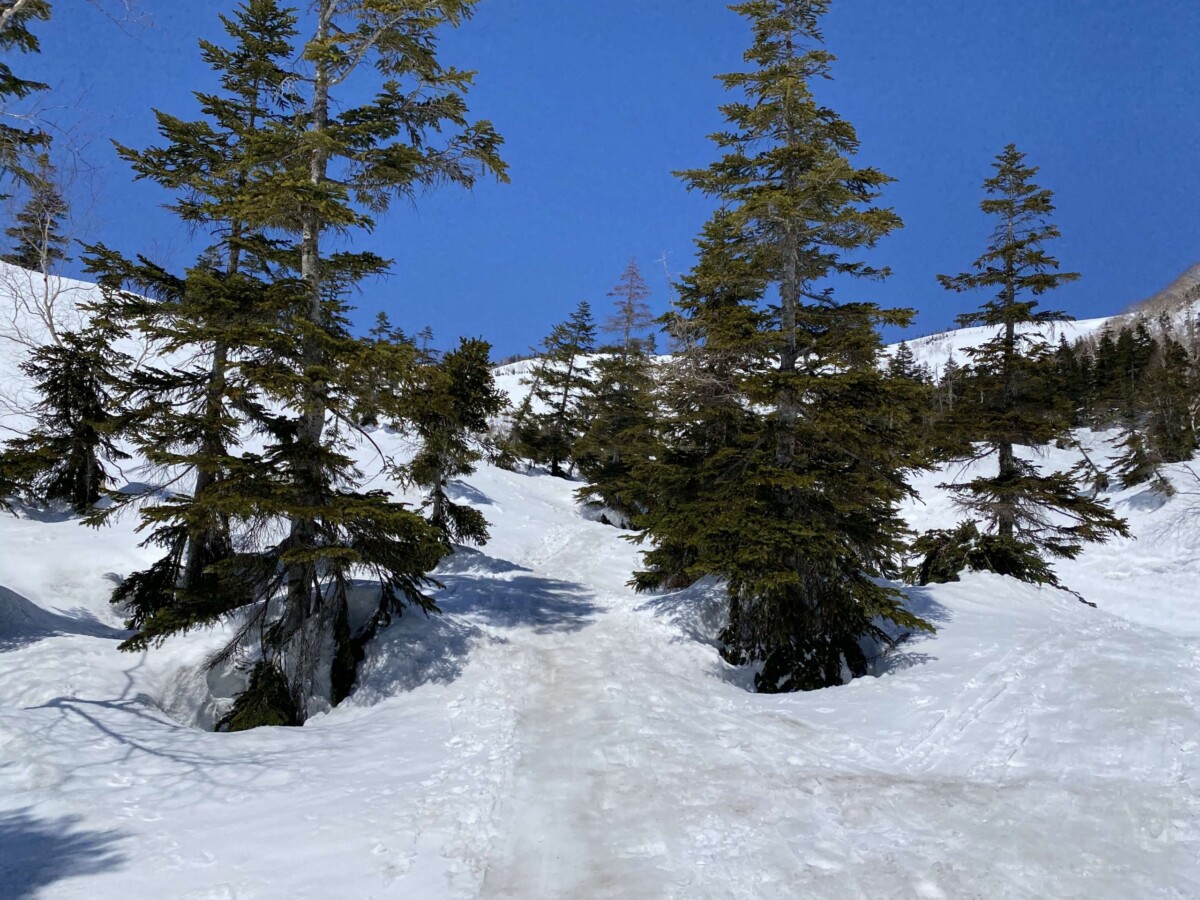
point(554, 735)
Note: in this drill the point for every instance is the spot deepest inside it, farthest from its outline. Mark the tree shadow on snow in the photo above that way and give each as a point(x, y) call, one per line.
point(461, 492)
point(23, 622)
point(59, 512)
point(921, 602)
point(701, 612)
point(415, 650)
point(481, 592)
point(1146, 501)
point(501, 594)
point(903, 653)
point(35, 853)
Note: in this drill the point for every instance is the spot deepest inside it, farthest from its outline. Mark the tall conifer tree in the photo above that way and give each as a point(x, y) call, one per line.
point(1030, 514)
point(350, 162)
point(186, 418)
point(37, 240)
point(697, 477)
point(186, 414)
point(620, 409)
point(63, 459)
point(275, 184)
point(821, 463)
point(631, 318)
point(450, 411)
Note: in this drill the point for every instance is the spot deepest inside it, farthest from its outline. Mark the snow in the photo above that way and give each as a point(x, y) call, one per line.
point(935, 350)
point(554, 735)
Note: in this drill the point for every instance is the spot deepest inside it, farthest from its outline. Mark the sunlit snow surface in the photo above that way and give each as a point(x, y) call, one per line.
point(553, 735)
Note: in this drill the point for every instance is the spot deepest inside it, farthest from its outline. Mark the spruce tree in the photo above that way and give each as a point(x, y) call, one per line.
point(354, 140)
point(549, 420)
point(185, 418)
point(63, 458)
point(697, 477)
point(819, 470)
point(1028, 515)
point(620, 408)
point(37, 242)
point(903, 362)
point(349, 162)
point(622, 431)
point(19, 147)
point(1138, 463)
point(1170, 390)
point(450, 410)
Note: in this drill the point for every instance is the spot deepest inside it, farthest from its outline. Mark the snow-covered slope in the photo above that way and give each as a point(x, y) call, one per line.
point(935, 350)
point(553, 735)
point(1181, 294)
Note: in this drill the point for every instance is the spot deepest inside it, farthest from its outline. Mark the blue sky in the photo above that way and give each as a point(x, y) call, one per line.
point(599, 102)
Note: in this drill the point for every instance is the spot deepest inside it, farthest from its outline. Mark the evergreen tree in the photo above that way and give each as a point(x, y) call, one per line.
point(814, 481)
point(63, 458)
point(620, 407)
point(620, 413)
point(1138, 463)
point(1031, 515)
point(1170, 389)
point(950, 385)
point(1070, 381)
point(37, 243)
point(697, 477)
point(450, 410)
point(350, 161)
point(219, 315)
point(903, 363)
point(549, 421)
point(19, 146)
point(373, 115)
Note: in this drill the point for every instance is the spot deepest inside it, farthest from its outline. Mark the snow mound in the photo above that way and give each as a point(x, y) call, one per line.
point(22, 622)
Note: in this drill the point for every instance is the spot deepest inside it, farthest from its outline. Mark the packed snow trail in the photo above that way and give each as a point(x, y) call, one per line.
point(553, 735)
point(640, 774)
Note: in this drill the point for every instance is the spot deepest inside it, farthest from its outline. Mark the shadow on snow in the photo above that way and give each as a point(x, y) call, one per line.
point(35, 853)
point(701, 612)
point(23, 622)
point(482, 597)
point(501, 594)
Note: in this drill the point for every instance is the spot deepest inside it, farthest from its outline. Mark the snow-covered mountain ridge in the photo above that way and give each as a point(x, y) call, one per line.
point(554, 735)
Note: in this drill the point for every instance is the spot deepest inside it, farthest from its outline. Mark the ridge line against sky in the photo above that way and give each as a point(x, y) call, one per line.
point(599, 103)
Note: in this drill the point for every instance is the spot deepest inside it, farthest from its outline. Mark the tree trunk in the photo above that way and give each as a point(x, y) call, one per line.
point(789, 302)
point(302, 577)
point(555, 462)
point(1006, 512)
point(216, 536)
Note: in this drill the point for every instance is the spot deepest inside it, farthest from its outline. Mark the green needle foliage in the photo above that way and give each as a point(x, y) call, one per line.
point(794, 504)
point(185, 417)
point(450, 409)
point(19, 147)
point(1031, 515)
point(550, 420)
point(310, 138)
point(62, 459)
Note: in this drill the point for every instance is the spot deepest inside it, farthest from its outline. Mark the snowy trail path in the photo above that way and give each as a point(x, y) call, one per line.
point(640, 775)
point(555, 736)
